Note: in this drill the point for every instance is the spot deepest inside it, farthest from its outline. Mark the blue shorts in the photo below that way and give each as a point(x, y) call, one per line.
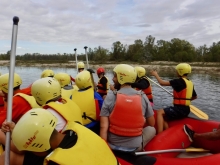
point(176, 112)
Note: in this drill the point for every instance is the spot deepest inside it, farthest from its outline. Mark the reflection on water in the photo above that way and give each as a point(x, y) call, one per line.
point(206, 86)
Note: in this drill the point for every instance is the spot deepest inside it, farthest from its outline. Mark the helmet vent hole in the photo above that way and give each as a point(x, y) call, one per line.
point(52, 123)
point(33, 113)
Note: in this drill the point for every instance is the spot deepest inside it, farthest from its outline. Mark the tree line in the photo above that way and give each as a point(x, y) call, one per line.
point(140, 51)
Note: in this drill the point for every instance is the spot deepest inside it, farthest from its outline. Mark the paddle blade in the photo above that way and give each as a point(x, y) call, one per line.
point(198, 112)
point(196, 150)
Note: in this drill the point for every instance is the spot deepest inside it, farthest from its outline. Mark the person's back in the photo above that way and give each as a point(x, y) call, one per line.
point(103, 83)
point(88, 100)
point(124, 114)
point(142, 83)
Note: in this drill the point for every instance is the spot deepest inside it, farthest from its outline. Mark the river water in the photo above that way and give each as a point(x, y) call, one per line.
point(206, 86)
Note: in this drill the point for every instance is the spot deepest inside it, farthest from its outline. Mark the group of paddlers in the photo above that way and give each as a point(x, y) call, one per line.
point(64, 120)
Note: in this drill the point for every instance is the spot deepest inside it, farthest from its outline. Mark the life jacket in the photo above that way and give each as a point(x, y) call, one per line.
point(89, 149)
point(67, 91)
point(184, 96)
point(100, 85)
point(126, 118)
point(69, 110)
point(30, 99)
point(147, 91)
point(2, 101)
point(88, 105)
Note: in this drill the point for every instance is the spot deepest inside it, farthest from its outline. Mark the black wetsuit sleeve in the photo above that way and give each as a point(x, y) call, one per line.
point(142, 84)
point(104, 82)
point(178, 84)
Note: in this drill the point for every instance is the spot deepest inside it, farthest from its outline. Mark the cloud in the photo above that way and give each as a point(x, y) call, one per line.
point(48, 26)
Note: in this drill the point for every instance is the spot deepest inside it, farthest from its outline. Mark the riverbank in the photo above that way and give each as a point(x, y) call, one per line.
point(166, 66)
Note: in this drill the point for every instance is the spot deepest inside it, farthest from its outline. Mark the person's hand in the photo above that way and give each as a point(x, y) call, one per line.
point(154, 73)
point(7, 126)
point(112, 87)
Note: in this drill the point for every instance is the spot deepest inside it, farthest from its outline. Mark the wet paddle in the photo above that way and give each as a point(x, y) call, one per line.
point(193, 109)
point(10, 85)
point(172, 150)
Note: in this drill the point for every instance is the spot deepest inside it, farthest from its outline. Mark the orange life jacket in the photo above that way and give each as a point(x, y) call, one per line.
point(184, 96)
point(100, 85)
point(126, 118)
point(147, 91)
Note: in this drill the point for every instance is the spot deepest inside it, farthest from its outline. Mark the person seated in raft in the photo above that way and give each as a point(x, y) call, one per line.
point(183, 94)
point(103, 83)
point(81, 66)
point(65, 82)
point(22, 99)
point(142, 83)
point(35, 132)
point(207, 135)
point(123, 116)
point(89, 101)
point(47, 93)
point(47, 73)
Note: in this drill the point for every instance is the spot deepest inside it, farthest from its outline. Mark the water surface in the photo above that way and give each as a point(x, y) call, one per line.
point(206, 86)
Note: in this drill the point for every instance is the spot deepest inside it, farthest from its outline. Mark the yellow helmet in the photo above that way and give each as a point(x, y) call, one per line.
point(125, 73)
point(83, 80)
point(140, 71)
point(183, 68)
point(63, 79)
point(47, 73)
point(81, 65)
point(45, 89)
point(4, 81)
point(33, 131)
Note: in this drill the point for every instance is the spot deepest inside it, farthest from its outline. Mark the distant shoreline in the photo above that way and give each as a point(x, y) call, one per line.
point(197, 67)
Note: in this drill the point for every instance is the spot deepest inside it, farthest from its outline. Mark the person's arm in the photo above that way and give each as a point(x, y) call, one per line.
point(72, 79)
point(194, 95)
point(104, 124)
point(160, 81)
point(150, 121)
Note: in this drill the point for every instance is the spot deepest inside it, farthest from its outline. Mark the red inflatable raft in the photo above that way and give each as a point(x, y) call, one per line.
point(175, 138)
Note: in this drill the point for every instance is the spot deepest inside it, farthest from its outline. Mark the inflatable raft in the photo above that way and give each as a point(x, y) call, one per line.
point(175, 138)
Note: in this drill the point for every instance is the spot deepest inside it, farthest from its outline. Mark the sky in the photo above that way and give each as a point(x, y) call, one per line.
point(60, 26)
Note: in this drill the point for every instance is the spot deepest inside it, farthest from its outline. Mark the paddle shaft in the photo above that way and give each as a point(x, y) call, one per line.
point(76, 60)
point(87, 61)
point(10, 87)
point(159, 86)
point(172, 150)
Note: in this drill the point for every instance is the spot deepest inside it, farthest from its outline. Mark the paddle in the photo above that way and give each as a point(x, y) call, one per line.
point(10, 85)
point(172, 150)
point(76, 60)
point(90, 70)
point(193, 109)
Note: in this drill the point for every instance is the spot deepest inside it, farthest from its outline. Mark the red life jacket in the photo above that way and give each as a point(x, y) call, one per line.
point(126, 118)
point(1, 101)
point(100, 85)
point(184, 96)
